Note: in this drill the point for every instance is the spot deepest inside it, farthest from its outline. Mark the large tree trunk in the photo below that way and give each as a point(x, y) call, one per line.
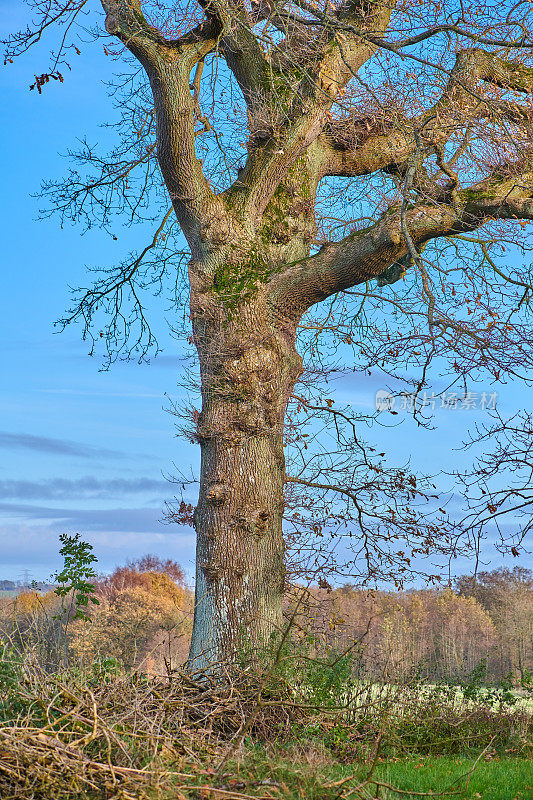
point(248, 369)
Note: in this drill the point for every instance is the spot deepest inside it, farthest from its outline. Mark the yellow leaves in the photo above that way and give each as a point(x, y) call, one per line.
point(29, 602)
point(158, 585)
point(336, 620)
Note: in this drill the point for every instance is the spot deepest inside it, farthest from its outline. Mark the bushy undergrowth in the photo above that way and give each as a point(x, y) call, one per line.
point(11, 670)
point(354, 719)
point(409, 721)
point(107, 733)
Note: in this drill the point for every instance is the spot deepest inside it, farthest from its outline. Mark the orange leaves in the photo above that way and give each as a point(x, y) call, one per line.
point(184, 514)
point(158, 584)
point(143, 616)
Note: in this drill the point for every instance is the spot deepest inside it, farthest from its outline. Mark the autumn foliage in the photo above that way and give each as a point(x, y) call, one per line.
point(429, 634)
point(144, 620)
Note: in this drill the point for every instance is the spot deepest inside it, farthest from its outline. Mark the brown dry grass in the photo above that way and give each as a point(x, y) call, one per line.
point(80, 738)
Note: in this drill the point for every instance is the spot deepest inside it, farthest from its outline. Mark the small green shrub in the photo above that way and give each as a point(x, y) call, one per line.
point(104, 670)
point(74, 583)
point(475, 688)
point(322, 680)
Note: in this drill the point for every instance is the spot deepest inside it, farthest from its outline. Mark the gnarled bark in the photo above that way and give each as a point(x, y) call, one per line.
point(248, 370)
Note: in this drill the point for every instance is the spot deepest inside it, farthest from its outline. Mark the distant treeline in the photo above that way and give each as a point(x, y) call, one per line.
point(12, 586)
point(144, 620)
point(436, 634)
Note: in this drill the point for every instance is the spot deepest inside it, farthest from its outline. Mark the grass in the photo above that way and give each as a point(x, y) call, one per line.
point(308, 775)
point(495, 779)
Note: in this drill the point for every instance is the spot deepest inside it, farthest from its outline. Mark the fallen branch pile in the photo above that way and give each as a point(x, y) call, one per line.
point(127, 740)
point(63, 738)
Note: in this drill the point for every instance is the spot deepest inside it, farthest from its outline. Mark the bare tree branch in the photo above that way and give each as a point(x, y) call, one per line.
point(365, 254)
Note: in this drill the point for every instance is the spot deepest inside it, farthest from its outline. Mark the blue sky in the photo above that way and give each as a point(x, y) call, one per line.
point(81, 449)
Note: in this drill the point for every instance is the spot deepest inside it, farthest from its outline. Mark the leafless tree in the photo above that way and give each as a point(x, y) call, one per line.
point(499, 488)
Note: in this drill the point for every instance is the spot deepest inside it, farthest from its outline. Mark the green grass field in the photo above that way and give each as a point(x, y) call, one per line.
point(498, 779)
point(313, 778)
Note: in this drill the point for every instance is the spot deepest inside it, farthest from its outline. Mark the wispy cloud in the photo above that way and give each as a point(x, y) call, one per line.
point(171, 361)
point(137, 520)
point(43, 444)
point(82, 393)
point(82, 488)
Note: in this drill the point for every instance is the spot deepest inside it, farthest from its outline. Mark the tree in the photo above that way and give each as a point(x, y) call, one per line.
point(499, 489)
point(491, 588)
point(508, 597)
point(387, 166)
point(143, 618)
point(148, 564)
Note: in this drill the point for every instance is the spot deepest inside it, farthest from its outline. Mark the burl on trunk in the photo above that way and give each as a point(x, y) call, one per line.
point(248, 370)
